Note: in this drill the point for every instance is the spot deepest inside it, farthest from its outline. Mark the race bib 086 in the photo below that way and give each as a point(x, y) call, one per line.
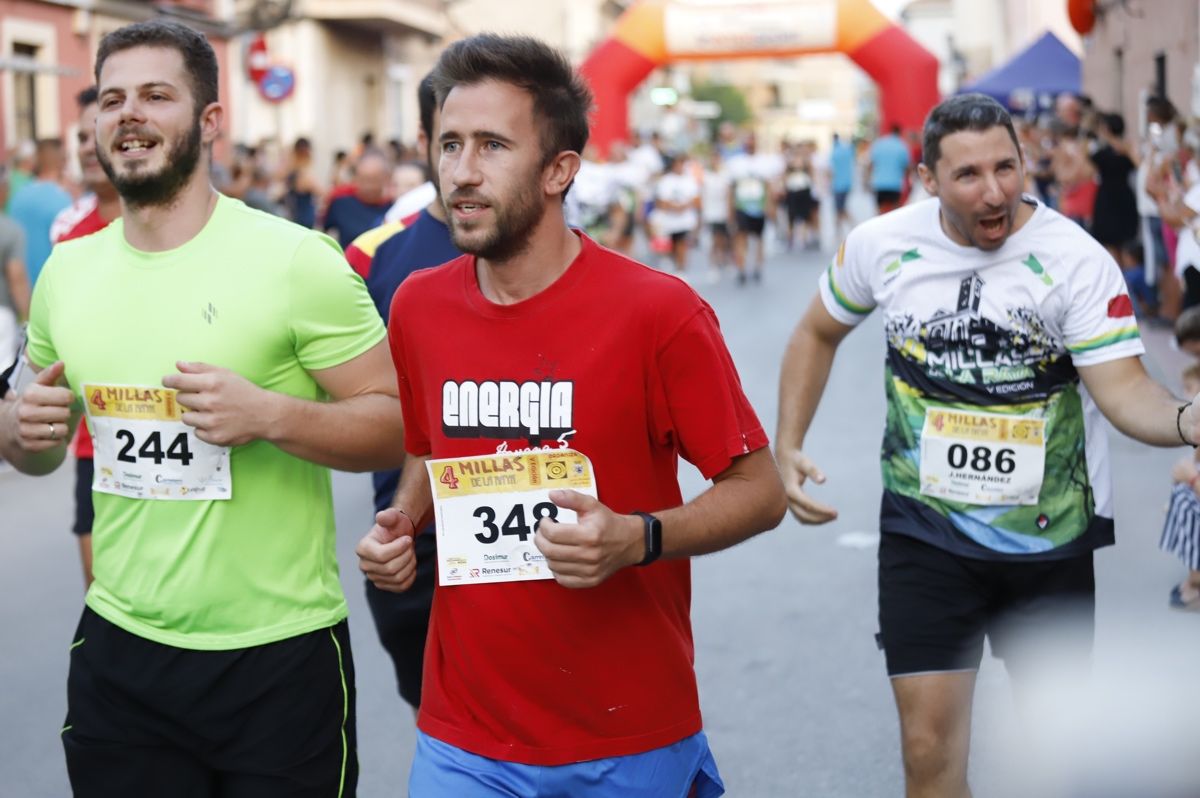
point(982, 458)
point(143, 450)
point(488, 509)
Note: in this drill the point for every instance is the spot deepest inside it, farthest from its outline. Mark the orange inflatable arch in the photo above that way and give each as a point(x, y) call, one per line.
point(656, 32)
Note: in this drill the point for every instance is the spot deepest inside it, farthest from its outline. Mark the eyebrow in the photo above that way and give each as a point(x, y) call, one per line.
point(971, 167)
point(154, 84)
point(447, 135)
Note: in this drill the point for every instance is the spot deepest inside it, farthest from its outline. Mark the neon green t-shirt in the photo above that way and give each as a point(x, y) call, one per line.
point(271, 301)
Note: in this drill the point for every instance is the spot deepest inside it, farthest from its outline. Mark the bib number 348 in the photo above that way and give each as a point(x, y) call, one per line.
point(488, 510)
point(517, 523)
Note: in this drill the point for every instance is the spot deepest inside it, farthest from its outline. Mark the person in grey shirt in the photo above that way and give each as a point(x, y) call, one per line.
point(14, 280)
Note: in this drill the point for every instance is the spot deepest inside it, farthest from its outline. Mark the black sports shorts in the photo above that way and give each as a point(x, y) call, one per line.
point(885, 198)
point(752, 225)
point(936, 608)
point(85, 512)
point(149, 720)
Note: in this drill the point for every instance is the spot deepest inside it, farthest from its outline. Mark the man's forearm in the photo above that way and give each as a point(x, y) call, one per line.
point(414, 495)
point(35, 464)
point(747, 501)
point(359, 433)
point(1150, 414)
point(805, 370)
point(1139, 406)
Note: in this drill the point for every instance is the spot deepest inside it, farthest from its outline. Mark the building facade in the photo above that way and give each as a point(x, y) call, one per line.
point(1139, 49)
point(357, 63)
point(47, 52)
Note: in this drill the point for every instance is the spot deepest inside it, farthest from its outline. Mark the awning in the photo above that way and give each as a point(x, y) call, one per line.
point(1044, 69)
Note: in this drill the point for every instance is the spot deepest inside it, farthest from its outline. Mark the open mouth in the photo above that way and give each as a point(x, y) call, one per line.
point(993, 225)
point(135, 146)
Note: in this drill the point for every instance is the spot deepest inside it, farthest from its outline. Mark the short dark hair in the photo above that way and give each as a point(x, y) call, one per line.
point(1187, 326)
point(427, 104)
point(1160, 108)
point(1114, 123)
point(198, 57)
point(87, 97)
point(965, 112)
point(561, 98)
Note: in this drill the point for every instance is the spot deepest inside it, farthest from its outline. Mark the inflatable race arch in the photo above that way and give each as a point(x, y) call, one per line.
point(652, 33)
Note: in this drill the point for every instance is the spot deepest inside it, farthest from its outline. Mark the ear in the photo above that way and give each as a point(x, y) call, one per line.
point(559, 173)
point(211, 119)
point(928, 179)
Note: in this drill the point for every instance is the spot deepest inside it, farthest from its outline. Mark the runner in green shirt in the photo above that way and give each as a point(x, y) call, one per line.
point(225, 359)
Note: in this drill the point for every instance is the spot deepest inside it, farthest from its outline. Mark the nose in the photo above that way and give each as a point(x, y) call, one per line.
point(130, 111)
point(464, 168)
point(993, 192)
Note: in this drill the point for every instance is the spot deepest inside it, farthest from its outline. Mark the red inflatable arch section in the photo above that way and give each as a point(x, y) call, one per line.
point(656, 32)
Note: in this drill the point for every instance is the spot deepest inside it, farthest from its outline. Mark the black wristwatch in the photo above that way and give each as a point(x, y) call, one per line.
point(653, 528)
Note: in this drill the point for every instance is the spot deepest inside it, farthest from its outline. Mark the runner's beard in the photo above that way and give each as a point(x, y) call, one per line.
point(509, 237)
point(142, 189)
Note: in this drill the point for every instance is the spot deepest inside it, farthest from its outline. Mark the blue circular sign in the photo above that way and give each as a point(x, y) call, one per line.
point(277, 84)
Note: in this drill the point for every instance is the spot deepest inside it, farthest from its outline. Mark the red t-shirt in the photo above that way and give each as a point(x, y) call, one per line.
point(533, 672)
point(80, 219)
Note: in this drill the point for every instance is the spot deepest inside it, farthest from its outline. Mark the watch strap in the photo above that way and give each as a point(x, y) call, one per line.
point(653, 531)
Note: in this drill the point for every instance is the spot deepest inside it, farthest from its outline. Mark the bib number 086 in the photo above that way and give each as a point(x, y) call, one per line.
point(151, 448)
point(980, 458)
point(515, 524)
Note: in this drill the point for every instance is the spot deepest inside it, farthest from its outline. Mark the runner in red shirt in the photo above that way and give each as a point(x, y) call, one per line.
point(90, 213)
point(541, 340)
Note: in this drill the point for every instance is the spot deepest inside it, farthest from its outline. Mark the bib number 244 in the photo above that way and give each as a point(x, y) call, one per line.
point(151, 448)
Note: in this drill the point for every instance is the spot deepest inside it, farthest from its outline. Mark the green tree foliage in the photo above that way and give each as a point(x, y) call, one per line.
point(733, 103)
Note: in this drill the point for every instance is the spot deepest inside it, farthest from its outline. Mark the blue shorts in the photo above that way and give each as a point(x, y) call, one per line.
point(681, 770)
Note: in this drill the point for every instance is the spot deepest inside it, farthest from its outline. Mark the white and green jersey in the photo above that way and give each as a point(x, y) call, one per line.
point(993, 448)
point(252, 293)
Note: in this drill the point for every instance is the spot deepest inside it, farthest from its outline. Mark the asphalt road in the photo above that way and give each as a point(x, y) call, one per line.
point(792, 687)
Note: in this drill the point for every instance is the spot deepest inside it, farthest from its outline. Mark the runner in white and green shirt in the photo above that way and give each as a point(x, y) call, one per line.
point(1009, 333)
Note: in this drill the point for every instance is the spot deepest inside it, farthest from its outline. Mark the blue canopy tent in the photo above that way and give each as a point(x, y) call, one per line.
point(1033, 77)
